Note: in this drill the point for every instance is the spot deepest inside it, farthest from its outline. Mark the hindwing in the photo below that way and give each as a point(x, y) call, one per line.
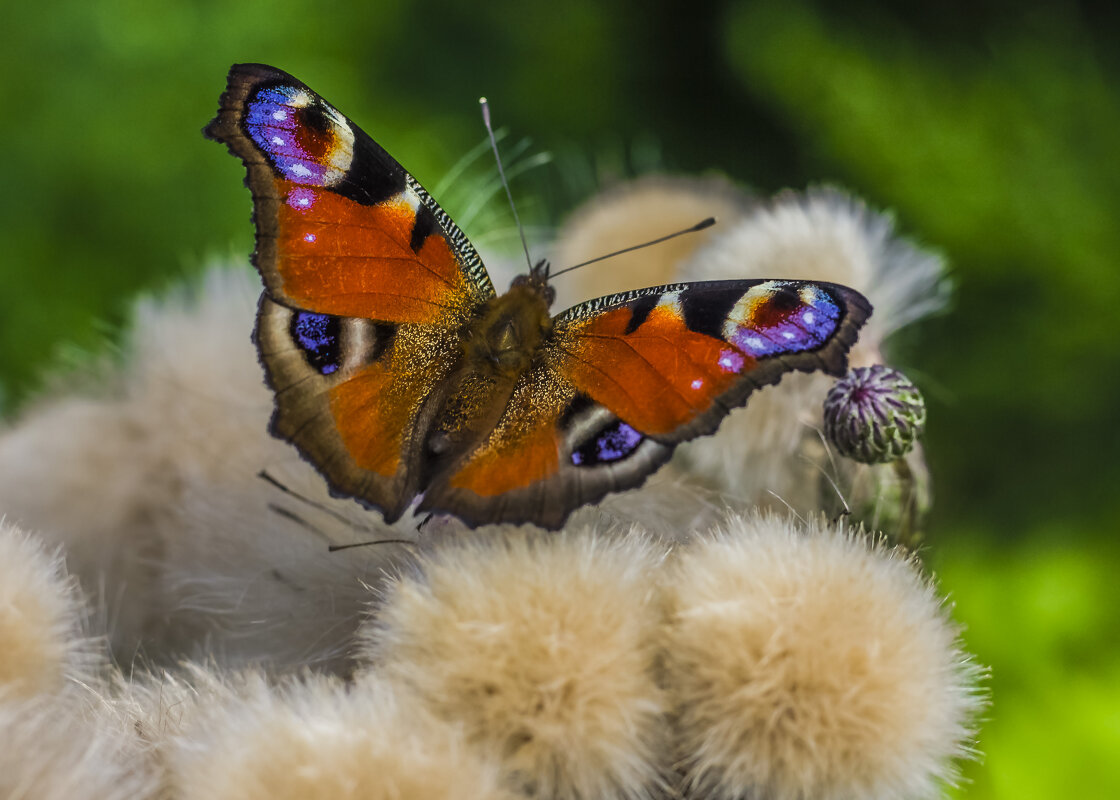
point(355, 397)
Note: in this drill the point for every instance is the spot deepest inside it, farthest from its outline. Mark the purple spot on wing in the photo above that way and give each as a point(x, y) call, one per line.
point(731, 360)
point(819, 317)
point(752, 342)
point(301, 199)
point(273, 125)
point(806, 327)
point(616, 443)
point(317, 336)
point(613, 443)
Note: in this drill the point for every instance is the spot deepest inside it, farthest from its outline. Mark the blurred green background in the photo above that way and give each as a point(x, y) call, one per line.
point(991, 128)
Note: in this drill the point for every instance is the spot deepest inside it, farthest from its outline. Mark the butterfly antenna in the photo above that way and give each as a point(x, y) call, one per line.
point(283, 512)
point(699, 226)
point(334, 548)
point(294, 517)
point(263, 475)
point(505, 184)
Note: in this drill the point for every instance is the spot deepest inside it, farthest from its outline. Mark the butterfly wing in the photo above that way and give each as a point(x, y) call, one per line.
point(355, 397)
point(366, 282)
point(626, 378)
point(342, 229)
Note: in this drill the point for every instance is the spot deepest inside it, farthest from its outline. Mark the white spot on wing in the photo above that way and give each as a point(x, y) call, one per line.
point(671, 301)
point(809, 295)
point(342, 148)
point(300, 171)
point(412, 199)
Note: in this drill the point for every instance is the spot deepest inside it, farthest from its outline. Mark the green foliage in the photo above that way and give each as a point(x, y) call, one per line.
point(1004, 155)
point(1045, 617)
point(990, 128)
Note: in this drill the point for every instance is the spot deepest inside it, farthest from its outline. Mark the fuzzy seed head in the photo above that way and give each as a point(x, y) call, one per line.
point(319, 739)
point(544, 650)
point(874, 414)
point(811, 663)
point(40, 618)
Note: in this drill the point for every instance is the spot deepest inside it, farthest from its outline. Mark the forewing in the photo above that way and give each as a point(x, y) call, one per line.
point(342, 228)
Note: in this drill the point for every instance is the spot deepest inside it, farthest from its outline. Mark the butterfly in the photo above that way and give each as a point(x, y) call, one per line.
point(400, 373)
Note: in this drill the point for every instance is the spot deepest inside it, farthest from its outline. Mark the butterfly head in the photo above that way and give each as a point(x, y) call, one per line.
point(537, 281)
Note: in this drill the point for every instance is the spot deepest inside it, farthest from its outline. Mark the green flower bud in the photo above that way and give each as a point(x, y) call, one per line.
point(874, 414)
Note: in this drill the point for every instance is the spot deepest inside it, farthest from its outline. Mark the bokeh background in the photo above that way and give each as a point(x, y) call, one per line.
point(991, 129)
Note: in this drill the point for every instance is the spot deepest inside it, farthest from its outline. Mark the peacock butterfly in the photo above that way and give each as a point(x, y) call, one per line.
point(400, 373)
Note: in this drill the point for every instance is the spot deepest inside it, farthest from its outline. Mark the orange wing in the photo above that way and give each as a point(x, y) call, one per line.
point(342, 228)
point(626, 378)
point(353, 396)
point(367, 282)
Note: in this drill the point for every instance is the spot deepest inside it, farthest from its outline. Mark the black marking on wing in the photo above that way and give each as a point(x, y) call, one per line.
point(374, 176)
point(706, 312)
point(384, 334)
point(785, 299)
point(422, 228)
point(464, 250)
point(578, 405)
point(314, 117)
point(640, 309)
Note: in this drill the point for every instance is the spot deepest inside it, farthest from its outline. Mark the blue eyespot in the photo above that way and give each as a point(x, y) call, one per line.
point(317, 335)
point(613, 443)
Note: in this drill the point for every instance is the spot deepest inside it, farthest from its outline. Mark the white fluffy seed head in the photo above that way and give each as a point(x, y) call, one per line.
point(71, 746)
point(813, 663)
point(320, 739)
point(151, 486)
point(42, 641)
point(76, 471)
point(544, 649)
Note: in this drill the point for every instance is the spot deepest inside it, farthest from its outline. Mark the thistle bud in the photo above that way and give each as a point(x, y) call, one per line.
point(874, 414)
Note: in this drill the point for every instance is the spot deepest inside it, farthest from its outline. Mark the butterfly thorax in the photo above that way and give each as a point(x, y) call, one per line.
point(499, 345)
point(505, 335)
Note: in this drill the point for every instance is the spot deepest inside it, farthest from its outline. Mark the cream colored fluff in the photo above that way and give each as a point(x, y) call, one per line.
point(151, 486)
point(543, 649)
point(42, 642)
point(810, 662)
point(319, 738)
